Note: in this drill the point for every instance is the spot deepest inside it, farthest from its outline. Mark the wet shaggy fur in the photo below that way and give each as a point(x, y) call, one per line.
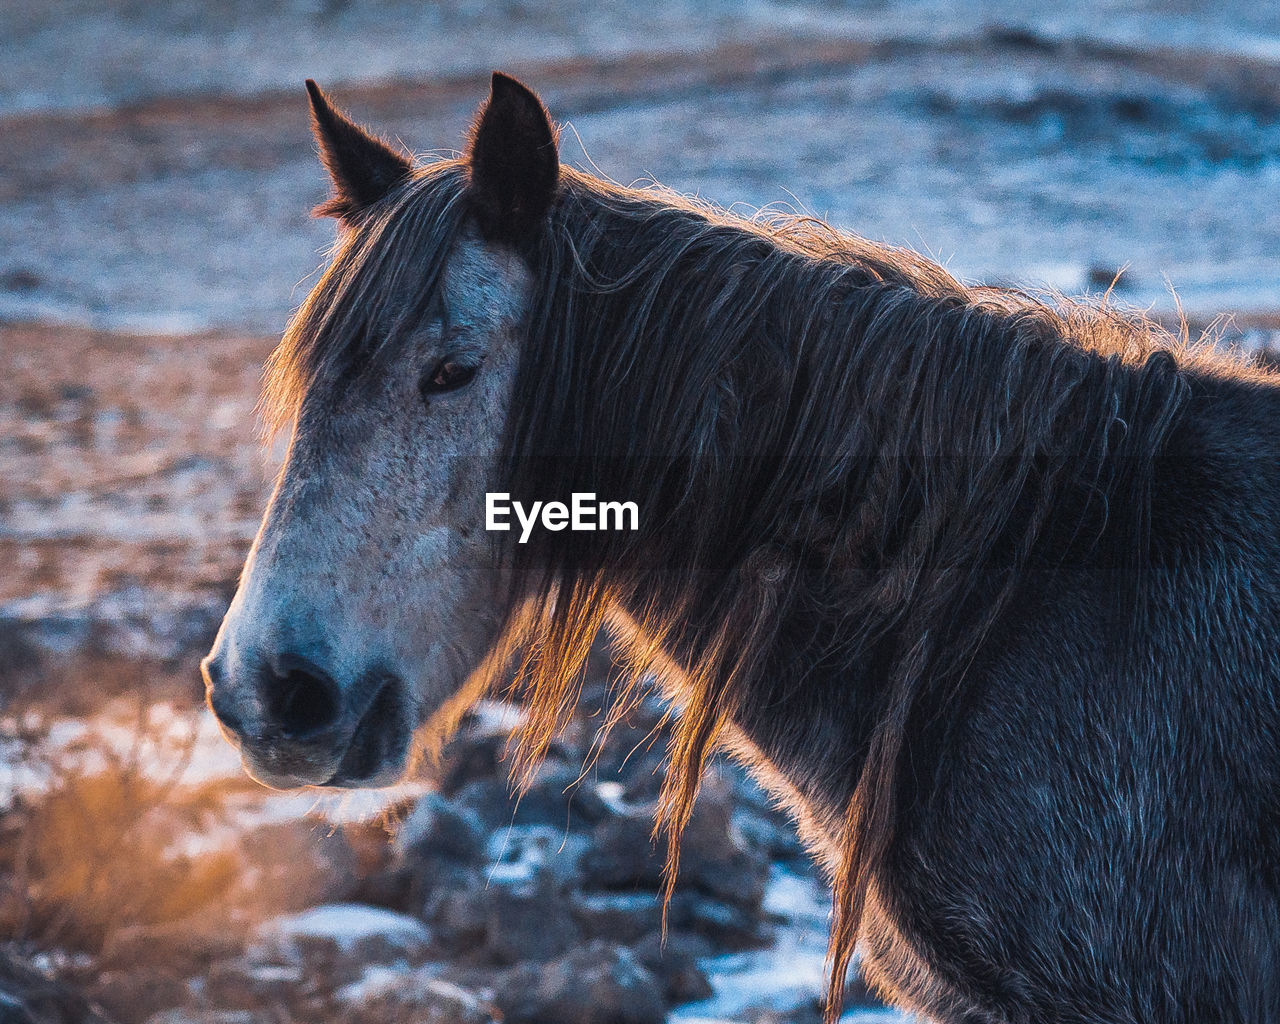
point(988, 591)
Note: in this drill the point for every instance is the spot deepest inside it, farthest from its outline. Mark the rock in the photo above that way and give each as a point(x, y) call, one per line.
point(642, 775)
point(712, 860)
point(618, 916)
point(555, 798)
point(527, 924)
point(560, 796)
point(385, 996)
point(392, 888)
point(526, 853)
point(599, 983)
point(185, 947)
point(132, 995)
point(56, 636)
point(505, 920)
point(808, 1012)
point(675, 964)
point(439, 829)
point(1106, 277)
point(467, 759)
point(729, 926)
point(760, 820)
point(338, 940)
point(771, 834)
point(623, 855)
point(410, 886)
point(372, 844)
point(246, 984)
point(437, 848)
point(489, 799)
point(29, 997)
point(292, 865)
point(455, 914)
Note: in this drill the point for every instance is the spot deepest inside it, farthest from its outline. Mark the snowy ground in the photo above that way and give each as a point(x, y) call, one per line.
point(1026, 145)
point(79, 54)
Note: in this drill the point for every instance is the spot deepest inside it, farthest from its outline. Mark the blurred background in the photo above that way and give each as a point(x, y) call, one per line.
point(156, 175)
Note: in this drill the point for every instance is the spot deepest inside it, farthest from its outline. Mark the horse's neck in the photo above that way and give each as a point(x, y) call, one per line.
point(799, 729)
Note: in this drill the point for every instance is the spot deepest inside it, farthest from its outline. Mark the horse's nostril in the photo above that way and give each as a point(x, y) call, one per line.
point(301, 699)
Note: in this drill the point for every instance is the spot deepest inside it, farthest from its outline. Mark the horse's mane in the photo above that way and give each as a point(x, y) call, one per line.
point(811, 424)
point(806, 421)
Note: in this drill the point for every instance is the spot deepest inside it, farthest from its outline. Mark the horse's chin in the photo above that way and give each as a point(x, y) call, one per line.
point(379, 750)
point(265, 776)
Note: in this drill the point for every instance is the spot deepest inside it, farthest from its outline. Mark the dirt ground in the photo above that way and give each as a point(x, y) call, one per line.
point(133, 482)
point(129, 459)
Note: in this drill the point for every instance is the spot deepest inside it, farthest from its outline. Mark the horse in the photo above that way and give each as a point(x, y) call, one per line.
point(983, 586)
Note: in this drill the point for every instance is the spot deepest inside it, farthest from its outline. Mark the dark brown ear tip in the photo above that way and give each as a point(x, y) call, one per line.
point(502, 84)
point(320, 108)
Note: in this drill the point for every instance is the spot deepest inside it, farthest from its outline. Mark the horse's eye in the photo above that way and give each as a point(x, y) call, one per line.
point(448, 375)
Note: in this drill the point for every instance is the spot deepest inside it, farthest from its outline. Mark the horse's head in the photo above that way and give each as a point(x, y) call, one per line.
point(371, 593)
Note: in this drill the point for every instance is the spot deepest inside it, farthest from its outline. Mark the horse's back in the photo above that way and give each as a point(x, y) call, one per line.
point(1091, 834)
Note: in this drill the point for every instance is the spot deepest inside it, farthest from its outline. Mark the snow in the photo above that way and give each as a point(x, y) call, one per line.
point(375, 981)
point(347, 926)
point(491, 717)
point(789, 973)
point(164, 744)
point(1009, 166)
point(521, 854)
point(78, 56)
point(784, 976)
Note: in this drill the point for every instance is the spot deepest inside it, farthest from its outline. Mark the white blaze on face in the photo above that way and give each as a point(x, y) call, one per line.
point(373, 560)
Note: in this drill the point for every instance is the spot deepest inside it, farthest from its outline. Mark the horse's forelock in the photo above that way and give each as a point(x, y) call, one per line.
point(383, 277)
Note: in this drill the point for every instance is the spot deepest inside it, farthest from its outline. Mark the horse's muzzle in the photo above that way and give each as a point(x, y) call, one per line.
point(296, 726)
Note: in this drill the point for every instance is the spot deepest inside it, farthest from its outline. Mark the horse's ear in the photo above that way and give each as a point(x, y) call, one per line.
point(362, 166)
point(514, 164)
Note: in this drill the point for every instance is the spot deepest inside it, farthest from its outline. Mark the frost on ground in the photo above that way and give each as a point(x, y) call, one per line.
point(1036, 147)
point(132, 484)
point(78, 55)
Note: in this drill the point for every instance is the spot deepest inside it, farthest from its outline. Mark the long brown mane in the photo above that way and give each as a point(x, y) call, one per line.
point(829, 441)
